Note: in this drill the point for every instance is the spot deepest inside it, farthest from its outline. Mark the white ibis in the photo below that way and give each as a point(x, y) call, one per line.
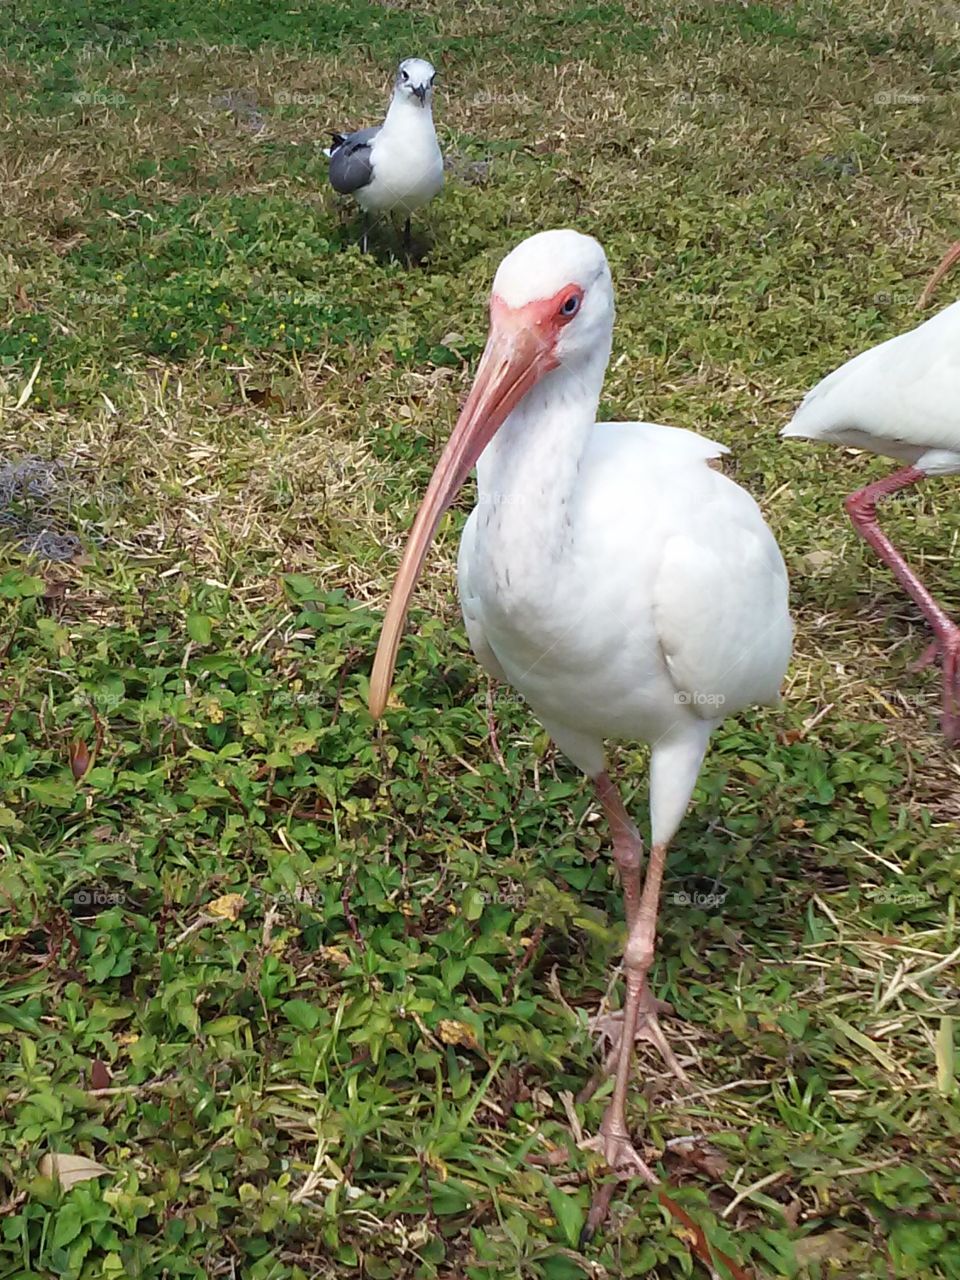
point(947, 263)
point(900, 400)
point(622, 585)
point(394, 167)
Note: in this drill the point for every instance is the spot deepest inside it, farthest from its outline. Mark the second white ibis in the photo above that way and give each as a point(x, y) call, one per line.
point(624, 586)
point(902, 401)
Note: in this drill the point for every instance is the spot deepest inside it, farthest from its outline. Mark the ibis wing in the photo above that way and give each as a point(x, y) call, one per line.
point(720, 609)
point(350, 164)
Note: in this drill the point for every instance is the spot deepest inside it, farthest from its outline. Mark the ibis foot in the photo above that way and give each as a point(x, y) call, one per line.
point(949, 647)
point(946, 647)
point(609, 1026)
point(614, 1144)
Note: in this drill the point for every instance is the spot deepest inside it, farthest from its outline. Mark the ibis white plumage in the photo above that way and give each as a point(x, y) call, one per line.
point(901, 400)
point(622, 585)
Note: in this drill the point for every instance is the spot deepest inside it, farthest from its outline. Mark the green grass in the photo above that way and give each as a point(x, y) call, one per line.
point(338, 977)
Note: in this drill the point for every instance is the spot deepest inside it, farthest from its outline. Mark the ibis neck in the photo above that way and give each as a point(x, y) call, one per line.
point(528, 475)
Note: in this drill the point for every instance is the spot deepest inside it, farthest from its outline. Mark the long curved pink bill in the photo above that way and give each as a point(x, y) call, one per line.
point(512, 361)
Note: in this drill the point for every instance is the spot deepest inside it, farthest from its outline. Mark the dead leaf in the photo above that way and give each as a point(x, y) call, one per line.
point(337, 955)
point(694, 1237)
point(828, 1246)
point(80, 758)
point(20, 299)
point(99, 1075)
point(433, 1161)
point(227, 907)
point(69, 1170)
point(702, 1157)
point(452, 1032)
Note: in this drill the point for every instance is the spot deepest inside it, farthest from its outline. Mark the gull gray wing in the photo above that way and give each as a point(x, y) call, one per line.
point(350, 167)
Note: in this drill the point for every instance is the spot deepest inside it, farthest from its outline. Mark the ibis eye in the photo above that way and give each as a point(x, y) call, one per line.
point(404, 75)
point(571, 306)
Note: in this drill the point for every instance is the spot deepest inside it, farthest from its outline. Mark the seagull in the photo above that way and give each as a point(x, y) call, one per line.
point(901, 400)
point(947, 262)
point(624, 586)
point(395, 166)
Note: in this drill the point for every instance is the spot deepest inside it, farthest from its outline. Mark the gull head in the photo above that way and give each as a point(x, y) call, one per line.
point(414, 80)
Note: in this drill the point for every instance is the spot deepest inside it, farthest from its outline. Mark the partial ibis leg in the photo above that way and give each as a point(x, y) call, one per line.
point(674, 765)
point(613, 1140)
point(407, 243)
point(862, 510)
point(949, 260)
point(365, 234)
point(628, 855)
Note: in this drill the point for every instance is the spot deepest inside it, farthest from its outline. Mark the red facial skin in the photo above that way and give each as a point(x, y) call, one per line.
point(521, 348)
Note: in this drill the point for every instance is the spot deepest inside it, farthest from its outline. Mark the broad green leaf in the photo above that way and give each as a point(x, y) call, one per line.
point(199, 628)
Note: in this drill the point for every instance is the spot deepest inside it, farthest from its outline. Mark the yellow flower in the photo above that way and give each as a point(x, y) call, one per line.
point(173, 333)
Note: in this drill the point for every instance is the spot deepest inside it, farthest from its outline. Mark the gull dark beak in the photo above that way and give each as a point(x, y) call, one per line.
point(421, 91)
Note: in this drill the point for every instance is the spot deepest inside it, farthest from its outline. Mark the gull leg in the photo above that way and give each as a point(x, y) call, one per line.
point(862, 510)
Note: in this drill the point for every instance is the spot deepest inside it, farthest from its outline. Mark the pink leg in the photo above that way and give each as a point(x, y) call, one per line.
point(862, 510)
point(627, 844)
point(628, 855)
point(613, 1141)
point(951, 257)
